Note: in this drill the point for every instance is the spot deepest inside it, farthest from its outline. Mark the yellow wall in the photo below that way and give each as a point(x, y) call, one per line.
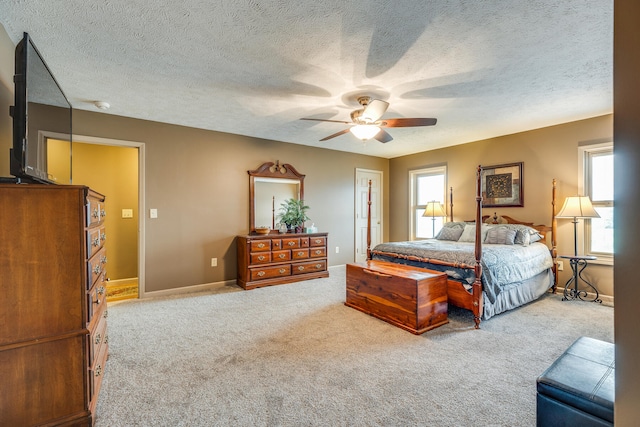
point(113, 171)
point(547, 153)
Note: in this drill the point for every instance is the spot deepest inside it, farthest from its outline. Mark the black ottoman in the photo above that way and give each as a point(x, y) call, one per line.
point(578, 388)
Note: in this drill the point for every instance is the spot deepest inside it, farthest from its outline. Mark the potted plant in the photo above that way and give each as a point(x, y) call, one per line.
point(293, 213)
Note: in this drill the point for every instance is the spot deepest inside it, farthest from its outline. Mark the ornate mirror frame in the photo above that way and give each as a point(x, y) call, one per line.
point(271, 172)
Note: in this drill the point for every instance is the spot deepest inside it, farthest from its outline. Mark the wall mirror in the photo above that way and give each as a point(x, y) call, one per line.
point(269, 186)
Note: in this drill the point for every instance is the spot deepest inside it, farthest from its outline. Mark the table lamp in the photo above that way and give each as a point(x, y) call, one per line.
point(577, 207)
point(433, 209)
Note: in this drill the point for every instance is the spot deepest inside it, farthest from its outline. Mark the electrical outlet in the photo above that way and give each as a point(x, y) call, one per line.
point(337, 250)
point(127, 213)
point(214, 262)
point(560, 265)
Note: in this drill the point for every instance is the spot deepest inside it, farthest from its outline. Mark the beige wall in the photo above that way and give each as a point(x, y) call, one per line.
point(6, 99)
point(627, 173)
point(547, 153)
point(198, 182)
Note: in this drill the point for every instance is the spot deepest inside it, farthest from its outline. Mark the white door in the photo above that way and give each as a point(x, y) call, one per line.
point(363, 176)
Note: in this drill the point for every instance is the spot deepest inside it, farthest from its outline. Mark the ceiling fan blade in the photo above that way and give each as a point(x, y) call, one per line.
point(324, 120)
point(403, 123)
point(374, 110)
point(383, 136)
point(342, 132)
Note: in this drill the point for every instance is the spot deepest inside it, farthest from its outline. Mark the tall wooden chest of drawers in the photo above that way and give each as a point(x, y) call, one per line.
point(53, 328)
point(274, 259)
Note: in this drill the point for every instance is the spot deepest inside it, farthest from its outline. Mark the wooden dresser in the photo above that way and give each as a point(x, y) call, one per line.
point(274, 259)
point(53, 328)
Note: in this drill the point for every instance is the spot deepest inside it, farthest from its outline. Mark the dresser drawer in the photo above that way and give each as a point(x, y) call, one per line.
point(309, 267)
point(300, 254)
point(95, 212)
point(276, 244)
point(260, 246)
point(93, 241)
point(96, 373)
point(97, 338)
point(318, 252)
point(261, 258)
point(317, 241)
point(290, 243)
point(96, 299)
point(279, 256)
point(96, 266)
point(269, 272)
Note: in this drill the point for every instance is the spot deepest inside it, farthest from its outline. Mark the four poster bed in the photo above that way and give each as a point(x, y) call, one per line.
point(500, 265)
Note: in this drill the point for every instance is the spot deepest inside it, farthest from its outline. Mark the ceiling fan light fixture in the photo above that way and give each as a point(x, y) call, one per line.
point(364, 132)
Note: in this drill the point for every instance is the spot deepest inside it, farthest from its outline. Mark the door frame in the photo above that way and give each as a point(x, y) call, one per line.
point(141, 195)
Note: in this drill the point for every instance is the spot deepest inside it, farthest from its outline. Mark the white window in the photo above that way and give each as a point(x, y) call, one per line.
point(426, 185)
point(597, 183)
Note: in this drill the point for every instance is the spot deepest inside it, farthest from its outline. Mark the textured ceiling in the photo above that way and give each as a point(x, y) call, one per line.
point(252, 67)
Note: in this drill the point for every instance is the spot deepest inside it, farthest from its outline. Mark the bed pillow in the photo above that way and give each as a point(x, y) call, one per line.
point(450, 233)
point(469, 233)
point(500, 236)
point(452, 225)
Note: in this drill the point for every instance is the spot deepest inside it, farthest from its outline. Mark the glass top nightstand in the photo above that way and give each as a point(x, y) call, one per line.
point(578, 263)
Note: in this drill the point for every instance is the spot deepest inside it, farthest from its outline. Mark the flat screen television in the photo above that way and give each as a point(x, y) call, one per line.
point(41, 110)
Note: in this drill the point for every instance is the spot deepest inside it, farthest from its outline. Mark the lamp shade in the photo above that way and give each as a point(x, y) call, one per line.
point(577, 207)
point(434, 209)
point(365, 132)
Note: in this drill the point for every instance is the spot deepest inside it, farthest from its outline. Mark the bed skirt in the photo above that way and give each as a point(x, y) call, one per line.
point(519, 294)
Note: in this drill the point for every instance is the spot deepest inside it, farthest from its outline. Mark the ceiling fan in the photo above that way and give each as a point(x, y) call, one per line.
point(367, 122)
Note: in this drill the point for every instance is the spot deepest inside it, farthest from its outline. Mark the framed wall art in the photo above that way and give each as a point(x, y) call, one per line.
point(502, 185)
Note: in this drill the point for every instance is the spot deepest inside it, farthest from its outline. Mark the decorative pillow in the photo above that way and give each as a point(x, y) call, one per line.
point(535, 236)
point(454, 224)
point(469, 233)
point(501, 236)
point(449, 233)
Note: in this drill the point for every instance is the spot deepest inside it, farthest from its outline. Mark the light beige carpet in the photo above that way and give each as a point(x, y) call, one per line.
point(294, 355)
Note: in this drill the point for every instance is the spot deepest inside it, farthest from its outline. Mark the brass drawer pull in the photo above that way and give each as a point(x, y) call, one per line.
point(98, 370)
point(96, 269)
point(318, 241)
point(261, 258)
point(261, 245)
point(95, 213)
point(103, 213)
point(318, 266)
point(282, 256)
point(291, 243)
point(261, 273)
point(318, 252)
point(98, 338)
point(282, 271)
point(300, 253)
point(106, 314)
point(103, 236)
point(95, 242)
point(301, 268)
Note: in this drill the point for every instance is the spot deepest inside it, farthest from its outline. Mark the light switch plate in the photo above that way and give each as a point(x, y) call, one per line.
point(127, 213)
point(153, 213)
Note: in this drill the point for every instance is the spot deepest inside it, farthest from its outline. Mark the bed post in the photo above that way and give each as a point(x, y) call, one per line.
point(369, 222)
point(451, 204)
point(554, 230)
point(477, 283)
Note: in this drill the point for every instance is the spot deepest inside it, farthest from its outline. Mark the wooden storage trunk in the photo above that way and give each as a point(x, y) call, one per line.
point(414, 299)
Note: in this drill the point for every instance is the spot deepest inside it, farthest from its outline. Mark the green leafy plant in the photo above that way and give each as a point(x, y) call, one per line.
point(293, 213)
